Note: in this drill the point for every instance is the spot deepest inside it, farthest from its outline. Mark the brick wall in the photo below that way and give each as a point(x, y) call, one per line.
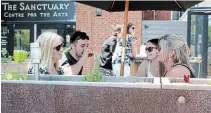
point(147, 15)
point(159, 15)
point(163, 15)
point(99, 28)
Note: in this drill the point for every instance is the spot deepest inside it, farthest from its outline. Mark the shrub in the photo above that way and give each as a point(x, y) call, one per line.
point(95, 75)
point(20, 55)
point(209, 83)
point(4, 53)
point(4, 60)
point(4, 56)
point(14, 76)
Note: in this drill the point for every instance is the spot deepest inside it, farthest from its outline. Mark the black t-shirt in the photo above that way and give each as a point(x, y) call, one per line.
point(71, 61)
point(106, 52)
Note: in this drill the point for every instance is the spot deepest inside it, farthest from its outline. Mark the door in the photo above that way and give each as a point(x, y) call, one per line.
point(64, 30)
point(56, 28)
point(200, 42)
point(23, 36)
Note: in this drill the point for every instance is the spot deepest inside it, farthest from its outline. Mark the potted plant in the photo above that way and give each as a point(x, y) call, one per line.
point(95, 75)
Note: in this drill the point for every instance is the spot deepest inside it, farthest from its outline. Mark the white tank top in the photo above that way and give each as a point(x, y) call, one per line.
point(149, 74)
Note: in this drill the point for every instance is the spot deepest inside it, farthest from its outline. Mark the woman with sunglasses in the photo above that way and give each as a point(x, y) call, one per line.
point(130, 51)
point(131, 33)
point(51, 45)
point(150, 67)
point(174, 53)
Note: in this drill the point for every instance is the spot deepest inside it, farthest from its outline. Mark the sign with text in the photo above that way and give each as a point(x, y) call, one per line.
point(37, 11)
point(4, 33)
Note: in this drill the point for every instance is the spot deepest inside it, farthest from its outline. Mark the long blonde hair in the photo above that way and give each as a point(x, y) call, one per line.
point(182, 51)
point(46, 41)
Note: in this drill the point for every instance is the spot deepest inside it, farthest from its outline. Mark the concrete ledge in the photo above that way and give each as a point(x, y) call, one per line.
point(186, 86)
point(95, 84)
point(104, 78)
point(68, 97)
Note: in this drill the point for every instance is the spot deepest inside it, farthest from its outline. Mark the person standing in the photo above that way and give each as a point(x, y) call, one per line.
point(130, 51)
point(107, 51)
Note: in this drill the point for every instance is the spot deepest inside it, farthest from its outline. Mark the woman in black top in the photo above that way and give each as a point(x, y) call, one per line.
point(174, 53)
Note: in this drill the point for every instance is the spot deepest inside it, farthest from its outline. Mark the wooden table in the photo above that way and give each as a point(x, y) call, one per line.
point(135, 64)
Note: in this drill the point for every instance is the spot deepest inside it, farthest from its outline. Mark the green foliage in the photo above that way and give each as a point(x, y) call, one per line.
point(67, 49)
point(14, 76)
point(22, 37)
point(209, 36)
point(209, 83)
point(20, 55)
point(95, 75)
point(4, 60)
point(4, 52)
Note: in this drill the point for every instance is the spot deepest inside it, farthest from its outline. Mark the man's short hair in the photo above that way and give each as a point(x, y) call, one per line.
point(78, 35)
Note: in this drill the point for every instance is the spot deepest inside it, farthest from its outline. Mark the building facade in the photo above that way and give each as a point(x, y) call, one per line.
point(99, 28)
point(156, 15)
point(24, 21)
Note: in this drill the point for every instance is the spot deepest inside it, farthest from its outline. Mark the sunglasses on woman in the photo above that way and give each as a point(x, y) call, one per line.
point(133, 28)
point(58, 47)
point(150, 49)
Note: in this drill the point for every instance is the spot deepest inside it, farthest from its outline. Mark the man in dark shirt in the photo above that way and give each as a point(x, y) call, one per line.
point(107, 51)
point(74, 59)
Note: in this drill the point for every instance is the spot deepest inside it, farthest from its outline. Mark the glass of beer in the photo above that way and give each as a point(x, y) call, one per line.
point(91, 54)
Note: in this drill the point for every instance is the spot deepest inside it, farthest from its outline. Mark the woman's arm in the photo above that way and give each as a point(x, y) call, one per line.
point(133, 41)
point(133, 45)
point(142, 69)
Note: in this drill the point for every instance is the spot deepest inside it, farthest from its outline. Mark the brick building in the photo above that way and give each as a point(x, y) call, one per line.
point(156, 15)
point(99, 28)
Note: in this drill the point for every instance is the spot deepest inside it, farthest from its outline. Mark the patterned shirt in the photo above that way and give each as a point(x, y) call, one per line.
point(42, 71)
point(60, 71)
point(128, 50)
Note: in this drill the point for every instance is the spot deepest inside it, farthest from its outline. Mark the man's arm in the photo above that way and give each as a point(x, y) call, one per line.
point(76, 68)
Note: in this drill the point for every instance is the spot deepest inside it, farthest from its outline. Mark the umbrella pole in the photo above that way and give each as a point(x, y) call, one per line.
point(124, 38)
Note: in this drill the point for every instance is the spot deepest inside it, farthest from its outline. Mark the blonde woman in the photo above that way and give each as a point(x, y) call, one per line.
point(174, 53)
point(51, 45)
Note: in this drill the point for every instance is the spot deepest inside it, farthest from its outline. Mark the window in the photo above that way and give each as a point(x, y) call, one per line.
point(175, 15)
